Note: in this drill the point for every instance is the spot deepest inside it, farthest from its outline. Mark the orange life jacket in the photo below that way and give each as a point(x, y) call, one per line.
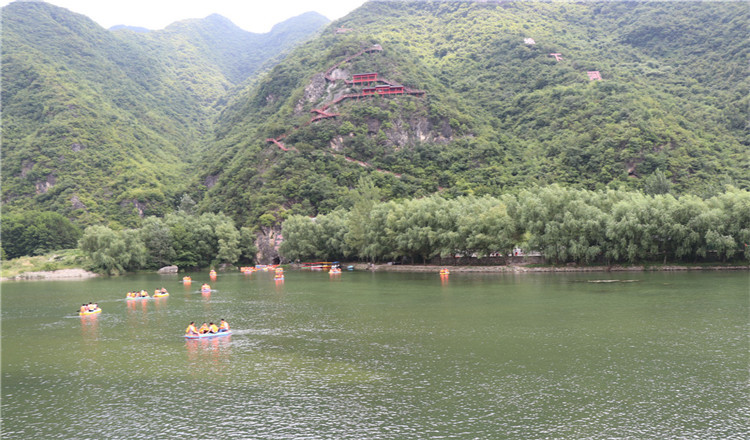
point(224, 325)
point(203, 329)
point(213, 329)
point(191, 329)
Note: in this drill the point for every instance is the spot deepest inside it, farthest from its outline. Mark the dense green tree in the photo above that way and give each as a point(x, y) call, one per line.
point(380, 237)
point(228, 238)
point(35, 233)
point(248, 250)
point(734, 206)
point(657, 183)
point(113, 252)
point(187, 204)
point(484, 227)
point(362, 200)
point(157, 238)
point(300, 238)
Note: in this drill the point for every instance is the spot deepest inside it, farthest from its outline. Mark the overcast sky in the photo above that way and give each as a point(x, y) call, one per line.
point(251, 15)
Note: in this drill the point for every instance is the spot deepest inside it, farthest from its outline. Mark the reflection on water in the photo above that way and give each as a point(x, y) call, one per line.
point(443, 279)
point(208, 356)
point(90, 328)
point(381, 356)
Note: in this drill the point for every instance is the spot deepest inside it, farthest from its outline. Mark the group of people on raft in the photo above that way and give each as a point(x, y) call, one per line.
point(88, 308)
point(207, 328)
point(140, 294)
point(144, 294)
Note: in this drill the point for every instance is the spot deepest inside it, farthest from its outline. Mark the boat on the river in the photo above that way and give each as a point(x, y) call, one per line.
point(187, 280)
point(205, 288)
point(207, 335)
point(91, 312)
point(318, 265)
point(137, 295)
point(161, 294)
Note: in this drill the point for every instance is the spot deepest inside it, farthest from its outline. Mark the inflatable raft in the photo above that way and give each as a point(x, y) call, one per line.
point(93, 312)
point(208, 335)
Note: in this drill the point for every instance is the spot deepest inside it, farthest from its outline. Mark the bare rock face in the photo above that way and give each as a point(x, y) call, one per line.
point(313, 92)
point(139, 207)
point(45, 185)
point(77, 203)
point(268, 242)
point(337, 143)
point(338, 74)
point(168, 269)
point(210, 181)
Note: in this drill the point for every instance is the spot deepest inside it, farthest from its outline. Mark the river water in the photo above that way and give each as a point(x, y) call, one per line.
point(381, 356)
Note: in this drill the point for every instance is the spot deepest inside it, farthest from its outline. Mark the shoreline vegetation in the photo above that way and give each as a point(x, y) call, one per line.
point(57, 265)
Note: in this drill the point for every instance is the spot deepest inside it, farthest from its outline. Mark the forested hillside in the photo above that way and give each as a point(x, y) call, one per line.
point(105, 126)
point(499, 112)
point(463, 99)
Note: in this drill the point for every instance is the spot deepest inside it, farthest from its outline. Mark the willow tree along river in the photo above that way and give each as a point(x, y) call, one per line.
point(566, 225)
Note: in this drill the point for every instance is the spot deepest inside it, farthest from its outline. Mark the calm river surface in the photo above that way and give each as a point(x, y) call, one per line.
point(381, 356)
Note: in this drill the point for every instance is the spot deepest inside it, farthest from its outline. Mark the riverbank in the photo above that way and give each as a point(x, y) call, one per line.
point(77, 273)
point(46, 275)
point(520, 268)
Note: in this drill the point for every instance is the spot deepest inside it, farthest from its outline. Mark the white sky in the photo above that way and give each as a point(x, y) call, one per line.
point(251, 15)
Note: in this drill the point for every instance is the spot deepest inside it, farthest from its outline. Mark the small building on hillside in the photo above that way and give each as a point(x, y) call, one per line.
point(364, 78)
point(383, 90)
point(594, 75)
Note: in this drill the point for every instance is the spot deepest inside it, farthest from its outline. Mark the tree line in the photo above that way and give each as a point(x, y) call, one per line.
point(565, 225)
point(180, 239)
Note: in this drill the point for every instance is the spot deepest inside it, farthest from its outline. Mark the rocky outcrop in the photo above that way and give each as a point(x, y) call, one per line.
point(168, 269)
point(313, 92)
point(268, 242)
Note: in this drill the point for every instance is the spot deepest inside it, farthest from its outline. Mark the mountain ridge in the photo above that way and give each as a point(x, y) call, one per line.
point(498, 113)
point(104, 126)
point(512, 114)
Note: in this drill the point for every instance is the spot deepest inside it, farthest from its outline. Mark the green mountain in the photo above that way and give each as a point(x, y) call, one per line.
point(111, 126)
point(499, 111)
point(105, 126)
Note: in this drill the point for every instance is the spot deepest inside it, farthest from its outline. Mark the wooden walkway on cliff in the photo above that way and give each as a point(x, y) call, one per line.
point(390, 88)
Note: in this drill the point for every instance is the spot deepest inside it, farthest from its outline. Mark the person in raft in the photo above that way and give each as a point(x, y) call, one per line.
point(203, 329)
point(191, 330)
point(212, 328)
point(223, 326)
point(93, 306)
point(84, 308)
